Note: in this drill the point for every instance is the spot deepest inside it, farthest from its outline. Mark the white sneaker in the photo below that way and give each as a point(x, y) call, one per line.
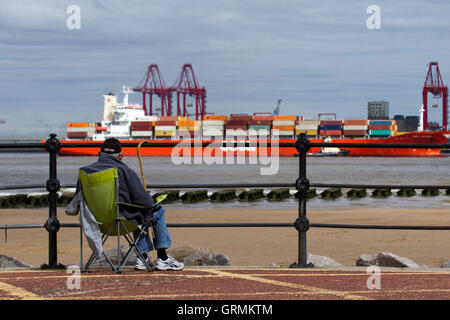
point(140, 265)
point(169, 264)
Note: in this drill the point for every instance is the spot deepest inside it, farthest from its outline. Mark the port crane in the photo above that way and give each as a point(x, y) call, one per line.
point(153, 84)
point(434, 85)
point(276, 112)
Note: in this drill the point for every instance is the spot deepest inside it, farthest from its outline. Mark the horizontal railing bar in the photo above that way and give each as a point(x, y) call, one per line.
point(253, 185)
point(377, 186)
point(355, 226)
point(252, 225)
point(155, 144)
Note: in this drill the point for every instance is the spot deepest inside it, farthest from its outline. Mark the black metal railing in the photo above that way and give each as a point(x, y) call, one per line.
point(302, 184)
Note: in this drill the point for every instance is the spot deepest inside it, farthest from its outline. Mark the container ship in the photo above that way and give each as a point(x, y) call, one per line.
point(129, 123)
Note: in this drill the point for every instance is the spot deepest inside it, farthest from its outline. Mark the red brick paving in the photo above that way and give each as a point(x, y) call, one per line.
point(225, 284)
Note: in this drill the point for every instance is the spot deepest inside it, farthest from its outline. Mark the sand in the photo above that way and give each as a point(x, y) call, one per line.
point(256, 246)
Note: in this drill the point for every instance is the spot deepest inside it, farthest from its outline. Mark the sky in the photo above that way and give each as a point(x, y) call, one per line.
point(316, 56)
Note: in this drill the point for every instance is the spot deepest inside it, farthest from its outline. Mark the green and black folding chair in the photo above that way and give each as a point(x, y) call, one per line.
point(100, 192)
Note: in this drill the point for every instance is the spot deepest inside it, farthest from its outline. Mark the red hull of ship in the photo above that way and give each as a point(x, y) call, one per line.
point(412, 137)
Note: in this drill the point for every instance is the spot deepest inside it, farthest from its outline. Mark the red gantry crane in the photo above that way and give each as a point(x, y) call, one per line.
point(435, 85)
point(187, 84)
point(153, 83)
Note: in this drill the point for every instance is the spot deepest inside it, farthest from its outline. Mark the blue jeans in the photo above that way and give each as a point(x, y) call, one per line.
point(162, 238)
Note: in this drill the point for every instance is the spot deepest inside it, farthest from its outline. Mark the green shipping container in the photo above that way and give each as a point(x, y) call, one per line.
point(380, 132)
point(257, 127)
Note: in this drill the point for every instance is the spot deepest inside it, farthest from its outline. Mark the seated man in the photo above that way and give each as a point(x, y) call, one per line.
point(131, 190)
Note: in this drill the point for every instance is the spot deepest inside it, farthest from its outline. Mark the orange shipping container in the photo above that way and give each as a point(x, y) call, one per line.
point(294, 118)
point(182, 123)
point(214, 117)
point(168, 118)
point(283, 128)
point(78, 124)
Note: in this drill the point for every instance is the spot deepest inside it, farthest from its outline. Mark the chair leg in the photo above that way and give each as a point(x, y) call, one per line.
point(134, 247)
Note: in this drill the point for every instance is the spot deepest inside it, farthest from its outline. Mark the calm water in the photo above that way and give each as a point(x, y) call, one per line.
point(32, 168)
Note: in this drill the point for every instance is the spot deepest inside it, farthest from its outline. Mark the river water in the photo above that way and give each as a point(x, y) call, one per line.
point(33, 168)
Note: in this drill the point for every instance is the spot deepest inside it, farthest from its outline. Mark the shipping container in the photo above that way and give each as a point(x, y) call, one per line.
point(355, 127)
point(263, 118)
point(212, 132)
point(330, 127)
point(356, 122)
point(244, 117)
point(148, 118)
point(141, 133)
point(77, 135)
point(258, 131)
point(214, 117)
point(282, 118)
point(306, 127)
point(213, 123)
point(236, 132)
point(168, 118)
point(380, 132)
point(257, 127)
point(276, 132)
point(78, 124)
point(354, 133)
point(330, 122)
point(283, 123)
point(182, 123)
point(381, 122)
point(163, 133)
point(166, 123)
point(330, 132)
point(284, 128)
point(260, 122)
point(165, 128)
point(236, 126)
point(242, 123)
point(380, 127)
point(307, 132)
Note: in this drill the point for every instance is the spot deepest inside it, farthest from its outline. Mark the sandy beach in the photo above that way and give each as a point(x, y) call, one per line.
point(256, 246)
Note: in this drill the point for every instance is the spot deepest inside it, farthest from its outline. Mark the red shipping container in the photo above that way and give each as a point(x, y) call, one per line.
point(166, 123)
point(355, 132)
point(236, 126)
point(379, 127)
point(238, 122)
point(333, 122)
point(260, 122)
point(245, 117)
point(264, 118)
point(356, 122)
point(80, 134)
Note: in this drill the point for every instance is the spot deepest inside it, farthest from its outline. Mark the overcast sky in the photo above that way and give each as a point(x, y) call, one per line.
point(317, 56)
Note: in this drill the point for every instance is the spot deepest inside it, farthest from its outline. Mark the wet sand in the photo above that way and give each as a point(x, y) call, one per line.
point(256, 246)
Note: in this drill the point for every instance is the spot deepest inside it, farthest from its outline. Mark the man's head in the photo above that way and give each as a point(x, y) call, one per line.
point(113, 147)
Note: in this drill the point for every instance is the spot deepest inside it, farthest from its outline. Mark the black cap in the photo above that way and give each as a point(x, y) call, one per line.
point(111, 146)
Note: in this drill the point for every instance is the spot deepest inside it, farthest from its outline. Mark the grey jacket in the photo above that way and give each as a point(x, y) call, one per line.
point(88, 223)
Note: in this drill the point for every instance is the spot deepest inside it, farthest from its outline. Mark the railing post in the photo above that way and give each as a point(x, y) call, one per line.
point(52, 225)
point(302, 185)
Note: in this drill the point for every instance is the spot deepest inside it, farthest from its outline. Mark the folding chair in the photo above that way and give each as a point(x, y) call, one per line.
point(101, 193)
